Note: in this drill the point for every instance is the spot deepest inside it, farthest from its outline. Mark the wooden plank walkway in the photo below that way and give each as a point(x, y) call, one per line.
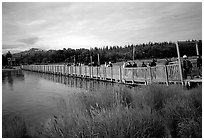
point(161, 74)
point(191, 82)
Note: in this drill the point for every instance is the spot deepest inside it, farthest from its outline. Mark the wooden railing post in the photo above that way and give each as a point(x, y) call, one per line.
point(55, 69)
point(52, 69)
point(97, 72)
point(80, 70)
point(92, 72)
point(132, 75)
point(120, 73)
point(166, 75)
point(105, 76)
point(111, 73)
point(179, 62)
point(61, 69)
point(197, 51)
point(150, 73)
point(85, 71)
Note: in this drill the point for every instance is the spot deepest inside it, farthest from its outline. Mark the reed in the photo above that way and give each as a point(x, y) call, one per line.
point(150, 111)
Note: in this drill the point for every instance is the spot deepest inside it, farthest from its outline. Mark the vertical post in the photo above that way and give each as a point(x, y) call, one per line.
point(166, 75)
point(57, 69)
point(98, 60)
point(65, 70)
point(52, 69)
point(72, 72)
point(97, 72)
point(111, 73)
point(74, 60)
point(145, 75)
point(132, 75)
point(91, 60)
point(61, 69)
point(75, 70)
point(80, 74)
point(179, 62)
point(150, 74)
point(91, 71)
point(133, 53)
point(197, 51)
point(120, 73)
point(85, 70)
point(104, 73)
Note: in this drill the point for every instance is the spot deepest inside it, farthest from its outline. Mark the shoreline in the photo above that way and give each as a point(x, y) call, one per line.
point(9, 69)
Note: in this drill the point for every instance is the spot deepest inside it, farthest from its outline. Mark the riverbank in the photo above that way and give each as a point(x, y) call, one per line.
point(150, 111)
point(11, 69)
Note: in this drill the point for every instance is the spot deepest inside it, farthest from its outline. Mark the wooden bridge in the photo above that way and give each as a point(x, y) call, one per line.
point(164, 74)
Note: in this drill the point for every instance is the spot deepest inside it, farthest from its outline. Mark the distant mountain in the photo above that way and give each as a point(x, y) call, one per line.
point(28, 52)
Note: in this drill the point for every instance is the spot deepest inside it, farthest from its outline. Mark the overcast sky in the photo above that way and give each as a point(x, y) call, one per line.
point(85, 25)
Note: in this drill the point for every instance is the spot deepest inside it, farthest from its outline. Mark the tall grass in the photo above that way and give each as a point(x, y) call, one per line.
point(150, 111)
point(14, 126)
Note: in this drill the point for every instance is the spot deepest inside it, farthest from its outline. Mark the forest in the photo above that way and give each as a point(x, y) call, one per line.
point(107, 53)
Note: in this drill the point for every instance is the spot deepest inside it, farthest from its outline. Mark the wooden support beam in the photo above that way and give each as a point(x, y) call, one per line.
point(179, 62)
point(166, 75)
point(197, 51)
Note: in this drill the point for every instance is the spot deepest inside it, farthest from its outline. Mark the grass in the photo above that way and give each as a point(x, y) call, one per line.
point(150, 112)
point(14, 126)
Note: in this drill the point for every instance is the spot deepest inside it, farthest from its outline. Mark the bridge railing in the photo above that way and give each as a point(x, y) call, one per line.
point(173, 72)
point(160, 73)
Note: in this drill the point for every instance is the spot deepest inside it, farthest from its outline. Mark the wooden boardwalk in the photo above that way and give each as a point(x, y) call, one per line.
point(162, 74)
point(192, 82)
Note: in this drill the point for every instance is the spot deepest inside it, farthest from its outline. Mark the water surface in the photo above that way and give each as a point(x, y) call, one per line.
point(36, 95)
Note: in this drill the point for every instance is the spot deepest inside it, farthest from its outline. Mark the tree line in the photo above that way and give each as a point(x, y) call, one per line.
point(108, 53)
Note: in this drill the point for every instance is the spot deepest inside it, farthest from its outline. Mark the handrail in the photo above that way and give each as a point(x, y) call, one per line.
point(160, 73)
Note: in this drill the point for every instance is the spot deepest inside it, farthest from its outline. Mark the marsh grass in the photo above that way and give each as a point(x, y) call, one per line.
point(14, 126)
point(150, 111)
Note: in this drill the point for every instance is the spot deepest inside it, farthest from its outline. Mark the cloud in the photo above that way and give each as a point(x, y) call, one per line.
point(5, 46)
point(14, 48)
point(99, 23)
point(29, 41)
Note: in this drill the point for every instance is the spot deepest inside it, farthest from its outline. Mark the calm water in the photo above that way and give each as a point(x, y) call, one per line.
point(36, 96)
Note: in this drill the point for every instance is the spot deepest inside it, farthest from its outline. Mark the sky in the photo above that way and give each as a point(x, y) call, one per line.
point(59, 25)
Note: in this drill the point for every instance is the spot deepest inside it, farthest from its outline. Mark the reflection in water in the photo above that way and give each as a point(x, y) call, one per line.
point(10, 76)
